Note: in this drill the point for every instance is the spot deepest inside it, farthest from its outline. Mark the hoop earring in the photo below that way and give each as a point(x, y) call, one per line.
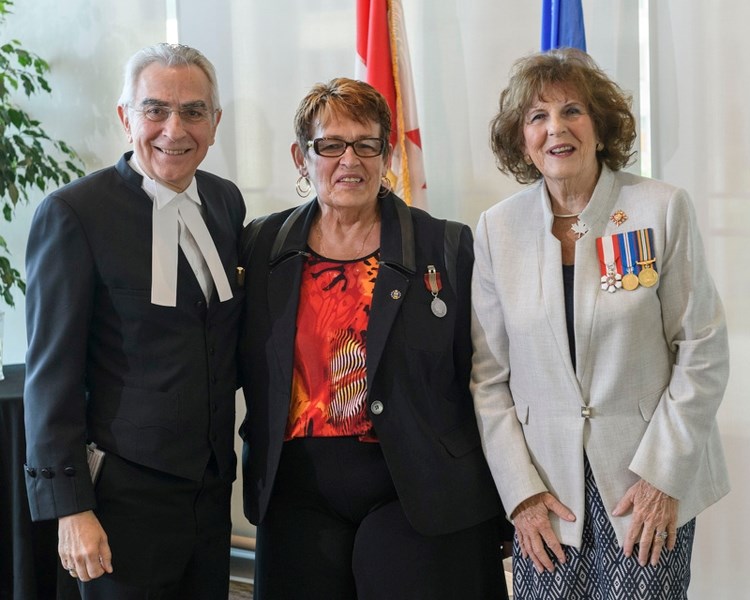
point(303, 186)
point(385, 187)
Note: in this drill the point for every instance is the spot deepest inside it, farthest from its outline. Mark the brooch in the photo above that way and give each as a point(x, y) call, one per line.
point(618, 217)
point(579, 228)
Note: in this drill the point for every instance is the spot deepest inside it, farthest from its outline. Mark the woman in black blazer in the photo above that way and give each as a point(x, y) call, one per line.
point(362, 461)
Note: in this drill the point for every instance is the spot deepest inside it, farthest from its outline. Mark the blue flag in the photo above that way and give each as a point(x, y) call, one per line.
point(562, 24)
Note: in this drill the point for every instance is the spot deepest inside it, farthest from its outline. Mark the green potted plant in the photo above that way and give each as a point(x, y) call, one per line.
point(29, 158)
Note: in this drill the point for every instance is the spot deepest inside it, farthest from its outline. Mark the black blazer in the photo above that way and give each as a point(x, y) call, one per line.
point(153, 384)
point(418, 365)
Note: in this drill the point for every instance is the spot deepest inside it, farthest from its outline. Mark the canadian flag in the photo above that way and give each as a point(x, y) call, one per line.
point(383, 62)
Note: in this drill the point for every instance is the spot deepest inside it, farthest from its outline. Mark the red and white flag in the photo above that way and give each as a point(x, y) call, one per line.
point(383, 62)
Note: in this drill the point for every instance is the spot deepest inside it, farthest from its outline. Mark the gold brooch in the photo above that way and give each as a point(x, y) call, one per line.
point(619, 217)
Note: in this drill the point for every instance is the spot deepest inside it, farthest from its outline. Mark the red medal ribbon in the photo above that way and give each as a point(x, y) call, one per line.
point(609, 255)
point(432, 280)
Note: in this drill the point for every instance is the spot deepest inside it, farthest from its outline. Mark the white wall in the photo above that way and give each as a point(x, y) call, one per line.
point(86, 44)
point(269, 53)
point(702, 136)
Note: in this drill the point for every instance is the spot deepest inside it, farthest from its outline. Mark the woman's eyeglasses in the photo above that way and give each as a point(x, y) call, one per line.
point(332, 147)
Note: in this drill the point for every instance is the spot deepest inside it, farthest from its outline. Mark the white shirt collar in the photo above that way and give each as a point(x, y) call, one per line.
point(159, 192)
point(177, 222)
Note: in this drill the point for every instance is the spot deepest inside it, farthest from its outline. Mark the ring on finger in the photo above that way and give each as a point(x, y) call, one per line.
point(661, 536)
point(73, 573)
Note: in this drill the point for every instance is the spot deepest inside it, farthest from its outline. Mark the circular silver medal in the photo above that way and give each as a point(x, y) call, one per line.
point(439, 309)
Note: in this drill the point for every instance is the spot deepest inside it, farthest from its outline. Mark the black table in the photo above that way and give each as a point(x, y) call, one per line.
point(29, 568)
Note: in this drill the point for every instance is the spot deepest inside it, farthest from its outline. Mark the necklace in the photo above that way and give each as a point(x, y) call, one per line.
point(361, 248)
point(570, 216)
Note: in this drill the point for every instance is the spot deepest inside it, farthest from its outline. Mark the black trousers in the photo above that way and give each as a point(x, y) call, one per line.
point(169, 536)
point(335, 530)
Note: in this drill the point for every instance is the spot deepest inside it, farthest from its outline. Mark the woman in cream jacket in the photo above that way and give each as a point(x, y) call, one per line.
point(600, 346)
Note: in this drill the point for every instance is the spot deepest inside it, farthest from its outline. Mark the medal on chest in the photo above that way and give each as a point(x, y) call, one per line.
point(646, 259)
point(433, 284)
point(627, 260)
point(610, 264)
point(628, 252)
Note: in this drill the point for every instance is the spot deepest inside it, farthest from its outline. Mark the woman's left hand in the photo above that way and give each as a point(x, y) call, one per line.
point(654, 521)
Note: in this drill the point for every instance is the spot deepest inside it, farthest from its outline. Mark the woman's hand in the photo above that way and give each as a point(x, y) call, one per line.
point(654, 521)
point(534, 530)
point(83, 547)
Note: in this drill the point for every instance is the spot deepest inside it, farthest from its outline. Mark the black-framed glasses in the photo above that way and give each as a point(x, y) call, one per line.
point(188, 114)
point(333, 147)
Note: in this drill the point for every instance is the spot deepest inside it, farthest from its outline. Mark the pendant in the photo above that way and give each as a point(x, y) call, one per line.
point(630, 281)
point(579, 228)
point(433, 283)
point(439, 309)
point(626, 242)
point(612, 281)
point(648, 276)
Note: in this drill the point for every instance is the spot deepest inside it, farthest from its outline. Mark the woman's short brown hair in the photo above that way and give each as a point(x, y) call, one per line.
point(341, 97)
point(607, 103)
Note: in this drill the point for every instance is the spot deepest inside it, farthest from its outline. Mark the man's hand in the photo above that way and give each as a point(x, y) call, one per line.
point(83, 547)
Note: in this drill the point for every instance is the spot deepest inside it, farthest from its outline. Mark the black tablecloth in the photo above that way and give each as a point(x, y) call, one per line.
point(28, 551)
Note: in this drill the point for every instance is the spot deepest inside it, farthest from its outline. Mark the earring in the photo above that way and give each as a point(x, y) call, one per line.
point(599, 146)
point(527, 159)
point(386, 187)
point(303, 186)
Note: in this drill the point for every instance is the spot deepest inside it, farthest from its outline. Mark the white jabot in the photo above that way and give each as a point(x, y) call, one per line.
point(177, 220)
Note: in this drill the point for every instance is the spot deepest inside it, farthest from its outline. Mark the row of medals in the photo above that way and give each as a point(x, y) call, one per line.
point(613, 281)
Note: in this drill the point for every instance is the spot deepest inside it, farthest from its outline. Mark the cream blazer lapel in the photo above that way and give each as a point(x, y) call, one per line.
point(550, 270)
point(587, 289)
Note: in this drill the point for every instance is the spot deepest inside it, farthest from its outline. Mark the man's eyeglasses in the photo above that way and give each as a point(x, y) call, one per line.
point(332, 147)
point(188, 114)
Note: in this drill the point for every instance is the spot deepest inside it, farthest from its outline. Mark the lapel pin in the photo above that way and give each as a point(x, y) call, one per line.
point(579, 228)
point(618, 217)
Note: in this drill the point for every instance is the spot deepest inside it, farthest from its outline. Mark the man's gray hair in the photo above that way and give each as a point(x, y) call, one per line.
point(167, 55)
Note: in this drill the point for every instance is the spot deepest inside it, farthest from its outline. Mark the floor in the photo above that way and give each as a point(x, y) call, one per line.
point(241, 572)
point(240, 591)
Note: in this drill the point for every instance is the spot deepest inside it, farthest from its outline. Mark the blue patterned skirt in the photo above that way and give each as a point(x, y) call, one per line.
point(600, 570)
